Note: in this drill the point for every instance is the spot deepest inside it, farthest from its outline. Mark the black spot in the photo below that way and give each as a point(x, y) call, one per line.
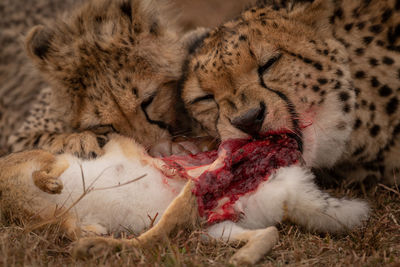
point(346, 108)
point(380, 43)
point(375, 82)
point(385, 91)
point(338, 85)
point(373, 62)
point(363, 102)
point(322, 81)
point(339, 73)
point(387, 60)
point(393, 33)
point(348, 26)
point(242, 37)
point(154, 28)
point(99, 19)
point(338, 13)
point(137, 28)
point(135, 92)
point(315, 88)
point(386, 15)
point(374, 131)
point(357, 124)
point(92, 155)
point(377, 28)
point(372, 107)
point(360, 74)
point(397, 5)
point(126, 9)
point(368, 39)
point(359, 150)
point(344, 96)
point(396, 130)
point(318, 66)
point(392, 105)
point(243, 98)
point(360, 25)
point(359, 51)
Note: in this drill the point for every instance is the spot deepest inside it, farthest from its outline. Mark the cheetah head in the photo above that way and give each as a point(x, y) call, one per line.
point(274, 70)
point(113, 66)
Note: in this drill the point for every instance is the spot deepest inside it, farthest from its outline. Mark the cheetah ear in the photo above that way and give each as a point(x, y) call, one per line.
point(193, 39)
point(37, 42)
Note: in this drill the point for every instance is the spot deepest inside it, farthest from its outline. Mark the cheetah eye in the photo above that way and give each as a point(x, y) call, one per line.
point(103, 129)
point(147, 101)
point(202, 98)
point(262, 69)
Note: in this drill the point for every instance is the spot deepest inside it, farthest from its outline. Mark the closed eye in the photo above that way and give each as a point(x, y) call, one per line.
point(262, 69)
point(148, 100)
point(103, 129)
point(202, 98)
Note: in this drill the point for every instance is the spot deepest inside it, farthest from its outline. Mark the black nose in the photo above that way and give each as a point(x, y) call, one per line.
point(251, 121)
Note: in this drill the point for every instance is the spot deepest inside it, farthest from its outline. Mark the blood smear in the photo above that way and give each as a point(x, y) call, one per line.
point(237, 168)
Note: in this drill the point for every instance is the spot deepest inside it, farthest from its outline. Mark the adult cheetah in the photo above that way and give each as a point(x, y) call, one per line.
point(326, 71)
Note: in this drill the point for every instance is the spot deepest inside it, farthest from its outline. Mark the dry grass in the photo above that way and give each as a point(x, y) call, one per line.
point(376, 244)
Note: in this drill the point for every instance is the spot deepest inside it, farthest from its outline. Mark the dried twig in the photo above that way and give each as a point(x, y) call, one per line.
point(389, 189)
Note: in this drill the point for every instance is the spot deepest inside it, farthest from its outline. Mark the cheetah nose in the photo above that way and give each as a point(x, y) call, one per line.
point(251, 121)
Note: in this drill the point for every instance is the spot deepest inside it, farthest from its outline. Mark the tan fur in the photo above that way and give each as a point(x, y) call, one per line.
point(112, 67)
point(337, 68)
point(20, 173)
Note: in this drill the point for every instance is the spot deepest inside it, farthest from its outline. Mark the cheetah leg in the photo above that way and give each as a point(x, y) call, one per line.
point(181, 213)
point(257, 242)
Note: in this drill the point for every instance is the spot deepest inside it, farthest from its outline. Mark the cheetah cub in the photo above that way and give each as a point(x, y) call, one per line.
point(112, 67)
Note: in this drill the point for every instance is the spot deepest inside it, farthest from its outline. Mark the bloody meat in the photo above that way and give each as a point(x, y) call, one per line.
point(242, 165)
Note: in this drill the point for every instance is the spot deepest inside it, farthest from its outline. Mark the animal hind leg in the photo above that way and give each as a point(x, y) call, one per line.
point(257, 242)
point(181, 213)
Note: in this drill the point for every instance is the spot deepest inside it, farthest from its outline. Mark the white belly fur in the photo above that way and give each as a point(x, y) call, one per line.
point(125, 207)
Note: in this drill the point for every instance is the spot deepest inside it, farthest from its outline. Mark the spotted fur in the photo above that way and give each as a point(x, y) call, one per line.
point(326, 71)
point(111, 66)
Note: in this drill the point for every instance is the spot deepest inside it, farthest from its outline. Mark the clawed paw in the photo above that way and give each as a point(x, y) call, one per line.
point(86, 145)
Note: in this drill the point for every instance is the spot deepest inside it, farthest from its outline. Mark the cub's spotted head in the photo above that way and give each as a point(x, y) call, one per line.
point(274, 70)
point(113, 65)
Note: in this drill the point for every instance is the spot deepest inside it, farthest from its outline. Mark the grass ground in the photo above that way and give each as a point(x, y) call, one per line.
point(375, 244)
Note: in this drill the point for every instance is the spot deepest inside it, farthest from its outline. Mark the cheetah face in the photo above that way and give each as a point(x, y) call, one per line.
point(113, 67)
point(271, 71)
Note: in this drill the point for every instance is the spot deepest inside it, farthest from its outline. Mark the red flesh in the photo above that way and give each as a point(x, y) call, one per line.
point(247, 163)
